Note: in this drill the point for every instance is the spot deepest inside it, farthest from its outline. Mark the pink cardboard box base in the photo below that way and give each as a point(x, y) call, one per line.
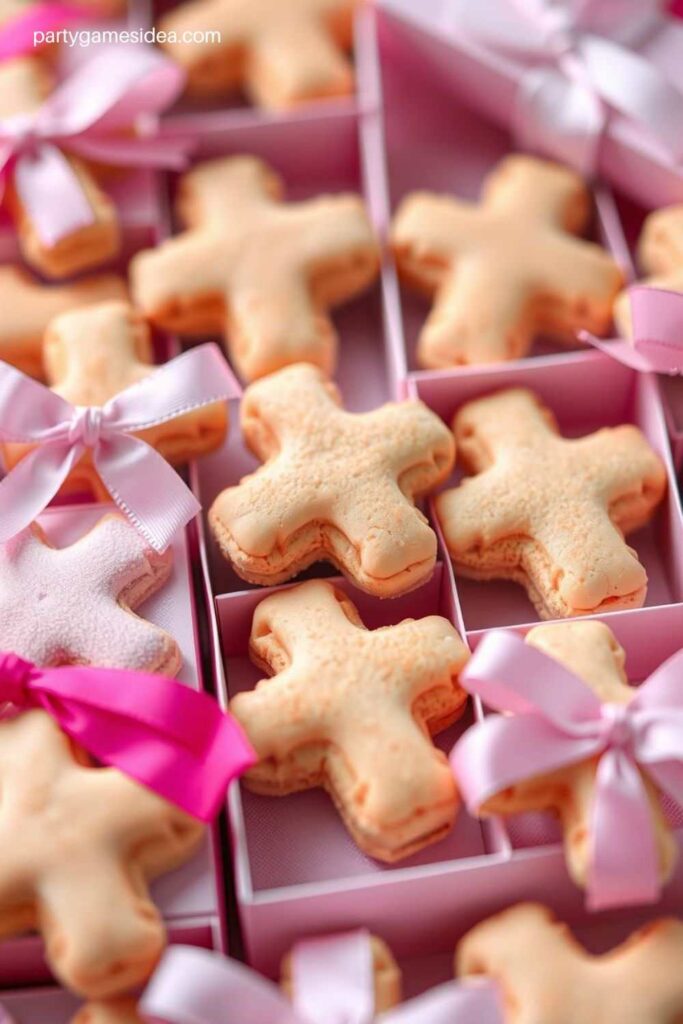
point(190, 898)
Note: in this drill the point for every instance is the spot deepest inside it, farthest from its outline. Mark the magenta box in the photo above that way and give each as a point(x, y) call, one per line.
point(190, 898)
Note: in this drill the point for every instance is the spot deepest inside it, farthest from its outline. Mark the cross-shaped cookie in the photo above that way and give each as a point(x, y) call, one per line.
point(28, 306)
point(74, 605)
point(281, 54)
point(660, 258)
point(547, 977)
point(264, 271)
point(548, 512)
point(352, 710)
point(590, 651)
point(335, 485)
point(25, 84)
point(79, 844)
point(92, 354)
point(505, 271)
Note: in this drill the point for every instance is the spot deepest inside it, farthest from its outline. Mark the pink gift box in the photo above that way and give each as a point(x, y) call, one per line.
point(488, 82)
point(297, 871)
point(190, 898)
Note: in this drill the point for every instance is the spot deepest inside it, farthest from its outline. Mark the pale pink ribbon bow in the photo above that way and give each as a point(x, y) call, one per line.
point(92, 114)
point(577, 66)
point(18, 33)
point(556, 720)
point(193, 986)
point(657, 329)
point(142, 484)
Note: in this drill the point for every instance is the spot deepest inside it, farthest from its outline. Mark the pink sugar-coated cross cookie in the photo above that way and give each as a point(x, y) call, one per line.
point(91, 355)
point(28, 306)
point(25, 83)
point(660, 259)
point(507, 270)
point(548, 512)
point(74, 605)
point(590, 651)
point(335, 485)
point(78, 845)
point(262, 270)
point(352, 710)
point(547, 977)
point(280, 54)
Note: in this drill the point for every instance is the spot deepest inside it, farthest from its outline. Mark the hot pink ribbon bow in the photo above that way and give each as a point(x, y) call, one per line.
point(558, 721)
point(193, 986)
point(657, 328)
point(92, 115)
point(577, 66)
point(17, 34)
point(142, 484)
point(172, 739)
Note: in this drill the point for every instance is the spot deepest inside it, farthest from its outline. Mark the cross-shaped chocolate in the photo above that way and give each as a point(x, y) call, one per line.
point(547, 977)
point(91, 355)
point(335, 485)
point(660, 258)
point(25, 84)
point(262, 270)
point(590, 651)
point(506, 270)
point(549, 512)
point(352, 710)
point(79, 845)
point(74, 605)
point(281, 54)
point(28, 306)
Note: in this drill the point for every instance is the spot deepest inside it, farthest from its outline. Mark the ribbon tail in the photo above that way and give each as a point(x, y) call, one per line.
point(333, 978)
point(624, 868)
point(157, 151)
point(32, 485)
point(466, 1002)
point(192, 985)
point(623, 351)
point(135, 475)
point(38, 178)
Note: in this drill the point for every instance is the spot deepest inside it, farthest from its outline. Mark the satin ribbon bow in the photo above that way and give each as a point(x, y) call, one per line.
point(18, 32)
point(558, 721)
point(576, 68)
point(91, 114)
point(142, 484)
point(193, 986)
point(657, 329)
point(172, 739)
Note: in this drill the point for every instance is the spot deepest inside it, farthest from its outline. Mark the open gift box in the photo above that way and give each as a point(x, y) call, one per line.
point(190, 898)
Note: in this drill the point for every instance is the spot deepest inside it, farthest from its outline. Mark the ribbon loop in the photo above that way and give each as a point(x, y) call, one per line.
point(142, 484)
point(657, 328)
point(552, 727)
point(167, 736)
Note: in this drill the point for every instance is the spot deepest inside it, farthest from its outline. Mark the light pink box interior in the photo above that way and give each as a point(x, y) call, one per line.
point(297, 871)
point(190, 898)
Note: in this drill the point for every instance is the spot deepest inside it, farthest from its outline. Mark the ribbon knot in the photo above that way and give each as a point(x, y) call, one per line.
point(86, 426)
point(558, 721)
point(15, 675)
point(617, 726)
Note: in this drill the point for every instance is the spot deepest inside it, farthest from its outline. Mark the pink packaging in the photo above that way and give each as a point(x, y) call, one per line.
point(296, 871)
point(488, 83)
point(191, 898)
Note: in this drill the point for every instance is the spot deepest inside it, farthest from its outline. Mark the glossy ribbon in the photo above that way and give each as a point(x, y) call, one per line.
point(577, 67)
point(172, 739)
point(17, 34)
point(91, 114)
point(556, 720)
point(142, 484)
point(657, 329)
point(193, 986)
